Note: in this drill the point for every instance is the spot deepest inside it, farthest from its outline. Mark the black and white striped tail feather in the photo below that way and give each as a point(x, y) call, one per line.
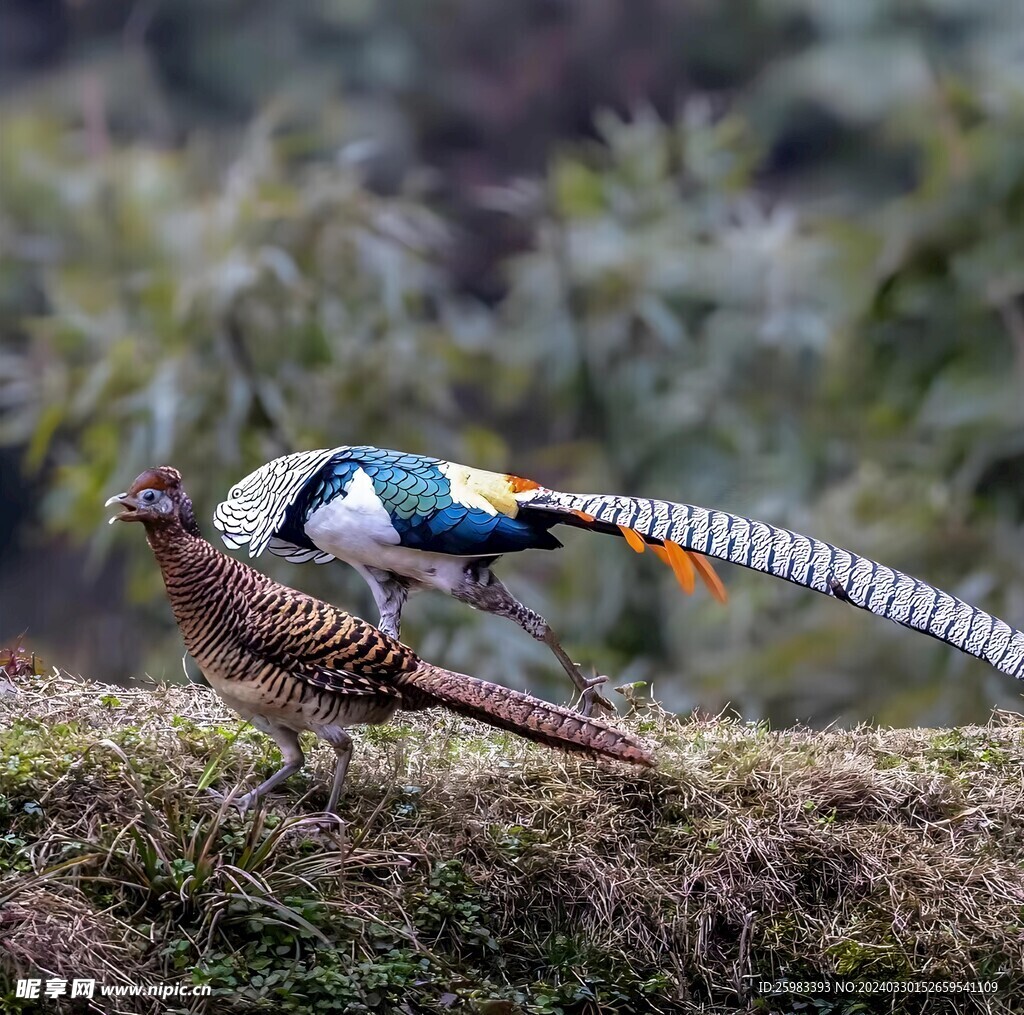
point(809, 562)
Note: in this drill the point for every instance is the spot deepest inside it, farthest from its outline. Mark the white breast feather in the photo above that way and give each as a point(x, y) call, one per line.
point(357, 529)
point(356, 523)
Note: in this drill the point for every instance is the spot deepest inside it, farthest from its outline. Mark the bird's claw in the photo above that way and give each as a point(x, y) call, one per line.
point(593, 703)
point(242, 803)
point(330, 821)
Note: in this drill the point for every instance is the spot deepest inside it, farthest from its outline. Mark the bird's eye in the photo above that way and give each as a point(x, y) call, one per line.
point(236, 493)
point(148, 496)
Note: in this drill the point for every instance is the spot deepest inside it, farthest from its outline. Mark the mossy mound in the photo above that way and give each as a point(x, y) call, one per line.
point(478, 873)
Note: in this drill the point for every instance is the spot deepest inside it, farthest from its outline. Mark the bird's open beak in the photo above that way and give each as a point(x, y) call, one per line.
point(128, 502)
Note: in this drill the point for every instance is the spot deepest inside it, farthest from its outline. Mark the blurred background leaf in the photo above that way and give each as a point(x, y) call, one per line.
point(763, 256)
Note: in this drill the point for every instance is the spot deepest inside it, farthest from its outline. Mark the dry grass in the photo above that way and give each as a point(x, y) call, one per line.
point(479, 873)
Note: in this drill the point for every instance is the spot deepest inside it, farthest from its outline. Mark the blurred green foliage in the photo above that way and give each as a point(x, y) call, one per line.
point(774, 263)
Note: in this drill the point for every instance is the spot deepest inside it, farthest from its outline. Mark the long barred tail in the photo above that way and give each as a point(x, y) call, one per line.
point(525, 715)
point(802, 560)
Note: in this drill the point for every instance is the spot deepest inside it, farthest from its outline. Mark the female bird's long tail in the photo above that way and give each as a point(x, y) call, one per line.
point(521, 714)
point(673, 528)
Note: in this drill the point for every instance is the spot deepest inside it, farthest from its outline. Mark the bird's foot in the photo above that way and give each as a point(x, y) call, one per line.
point(242, 803)
point(330, 821)
point(593, 704)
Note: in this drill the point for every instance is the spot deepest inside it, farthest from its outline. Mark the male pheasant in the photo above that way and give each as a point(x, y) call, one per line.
point(405, 521)
point(288, 662)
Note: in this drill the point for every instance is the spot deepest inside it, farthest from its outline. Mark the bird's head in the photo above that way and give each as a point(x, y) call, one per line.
point(158, 500)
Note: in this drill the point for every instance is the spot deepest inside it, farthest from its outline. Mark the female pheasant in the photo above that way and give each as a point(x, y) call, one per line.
point(406, 521)
point(288, 662)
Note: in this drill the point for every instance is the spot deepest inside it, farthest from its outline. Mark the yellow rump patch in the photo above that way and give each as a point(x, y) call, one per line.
point(492, 492)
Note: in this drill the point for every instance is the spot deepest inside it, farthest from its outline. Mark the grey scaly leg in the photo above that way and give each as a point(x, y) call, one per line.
point(482, 590)
point(390, 594)
point(291, 753)
point(342, 744)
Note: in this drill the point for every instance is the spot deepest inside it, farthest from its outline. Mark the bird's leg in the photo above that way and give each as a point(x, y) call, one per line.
point(482, 590)
point(390, 594)
point(291, 753)
point(342, 744)
point(593, 702)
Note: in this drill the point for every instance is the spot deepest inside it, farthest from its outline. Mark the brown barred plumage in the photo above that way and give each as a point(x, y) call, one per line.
point(288, 662)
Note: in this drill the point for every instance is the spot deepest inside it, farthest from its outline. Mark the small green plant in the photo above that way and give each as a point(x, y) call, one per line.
point(453, 906)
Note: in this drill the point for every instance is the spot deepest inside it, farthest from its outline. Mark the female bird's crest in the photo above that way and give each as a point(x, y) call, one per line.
point(177, 505)
point(163, 477)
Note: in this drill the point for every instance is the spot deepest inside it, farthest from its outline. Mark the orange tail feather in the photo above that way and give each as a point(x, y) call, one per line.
point(715, 585)
point(682, 567)
point(685, 564)
point(633, 538)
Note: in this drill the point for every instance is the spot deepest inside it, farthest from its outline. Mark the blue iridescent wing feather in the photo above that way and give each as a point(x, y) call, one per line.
point(417, 495)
